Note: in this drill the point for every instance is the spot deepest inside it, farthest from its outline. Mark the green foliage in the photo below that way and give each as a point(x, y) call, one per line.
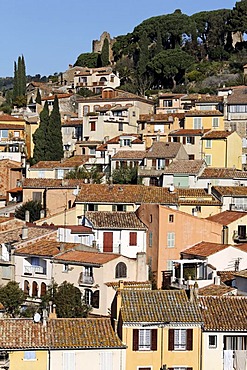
point(19, 88)
point(38, 97)
point(105, 53)
point(83, 91)
point(12, 297)
point(92, 175)
point(238, 19)
point(40, 136)
point(125, 176)
point(54, 142)
point(34, 208)
point(90, 60)
point(68, 300)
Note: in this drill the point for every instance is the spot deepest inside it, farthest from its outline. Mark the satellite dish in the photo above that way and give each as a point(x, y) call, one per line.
point(36, 317)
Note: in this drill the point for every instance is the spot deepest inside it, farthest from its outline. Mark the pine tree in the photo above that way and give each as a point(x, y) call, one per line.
point(38, 97)
point(105, 53)
point(40, 136)
point(54, 141)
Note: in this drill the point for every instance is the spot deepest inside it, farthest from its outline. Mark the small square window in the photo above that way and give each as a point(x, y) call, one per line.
point(212, 341)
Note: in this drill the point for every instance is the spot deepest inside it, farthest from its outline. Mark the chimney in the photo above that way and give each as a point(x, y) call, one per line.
point(27, 216)
point(217, 280)
point(141, 267)
point(24, 233)
point(52, 313)
point(209, 188)
point(42, 213)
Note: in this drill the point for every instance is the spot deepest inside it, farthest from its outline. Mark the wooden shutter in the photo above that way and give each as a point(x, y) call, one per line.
point(108, 242)
point(189, 368)
point(184, 140)
point(133, 238)
point(154, 340)
point(171, 340)
point(135, 346)
point(95, 299)
point(189, 345)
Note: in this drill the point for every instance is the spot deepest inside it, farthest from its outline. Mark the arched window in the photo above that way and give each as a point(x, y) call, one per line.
point(42, 289)
point(26, 287)
point(35, 289)
point(121, 270)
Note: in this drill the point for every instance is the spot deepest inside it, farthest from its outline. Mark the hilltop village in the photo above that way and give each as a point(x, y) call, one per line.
point(128, 250)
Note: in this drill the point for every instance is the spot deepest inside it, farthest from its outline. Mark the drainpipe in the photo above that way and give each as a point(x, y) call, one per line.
point(226, 154)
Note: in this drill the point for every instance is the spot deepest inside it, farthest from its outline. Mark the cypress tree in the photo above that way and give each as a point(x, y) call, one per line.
point(23, 76)
point(15, 87)
point(38, 97)
point(40, 136)
point(54, 141)
point(19, 77)
point(105, 53)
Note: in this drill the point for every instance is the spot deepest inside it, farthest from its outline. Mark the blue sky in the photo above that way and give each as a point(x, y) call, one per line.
point(52, 33)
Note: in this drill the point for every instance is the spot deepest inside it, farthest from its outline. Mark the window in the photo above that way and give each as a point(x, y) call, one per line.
point(106, 360)
point(29, 355)
point(125, 142)
point(235, 343)
point(92, 207)
point(197, 123)
point(95, 299)
point(171, 218)
point(121, 270)
point(88, 296)
point(4, 134)
point(85, 110)
point(93, 126)
point(133, 114)
point(88, 271)
point(167, 103)
point(190, 140)
point(215, 122)
point(150, 239)
point(212, 341)
point(208, 144)
point(41, 174)
point(107, 242)
point(69, 360)
point(170, 240)
point(160, 164)
point(120, 126)
point(180, 340)
point(92, 151)
point(16, 133)
point(208, 159)
point(42, 289)
point(144, 339)
point(35, 289)
point(133, 238)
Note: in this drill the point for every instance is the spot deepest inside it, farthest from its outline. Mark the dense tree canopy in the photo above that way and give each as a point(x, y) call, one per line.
point(90, 60)
point(12, 297)
point(54, 141)
point(34, 208)
point(39, 136)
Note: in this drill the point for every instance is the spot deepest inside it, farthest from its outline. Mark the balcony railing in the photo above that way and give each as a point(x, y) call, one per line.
point(32, 270)
point(242, 237)
point(85, 279)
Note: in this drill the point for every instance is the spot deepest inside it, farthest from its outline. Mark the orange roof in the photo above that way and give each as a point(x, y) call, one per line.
point(97, 258)
point(227, 217)
point(59, 96)
point(49, 248)
point(8, 117)
point(206, 249)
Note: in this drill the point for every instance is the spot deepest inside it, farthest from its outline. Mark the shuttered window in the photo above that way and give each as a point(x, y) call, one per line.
point(106, 361)
point(108, 242)
point(144, 340)
point(69, 360)
point(180, 340)
point(133, 238)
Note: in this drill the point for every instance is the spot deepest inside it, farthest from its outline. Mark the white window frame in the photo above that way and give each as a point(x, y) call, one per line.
point(170, 239)
point(215, 122)
point(215, 339)
point(69, 360)
point(145, 340)
point(208, 144)
point(180, 339)
point(30, 356)
point(197, 123)
point(208, 159)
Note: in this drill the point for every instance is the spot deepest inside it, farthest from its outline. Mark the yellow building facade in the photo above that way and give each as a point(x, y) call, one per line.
point(206, 120)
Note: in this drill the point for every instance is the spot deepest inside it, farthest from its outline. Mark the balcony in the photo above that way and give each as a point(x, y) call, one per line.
point(33, 270)
point(4, 360)
point(239, 237)
point(85, 279)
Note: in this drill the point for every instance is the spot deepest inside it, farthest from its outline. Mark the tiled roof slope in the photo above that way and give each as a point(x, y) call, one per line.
point(92, 257)
point(185, 166)
point(74, 161)
point(227, 217)
point(225, 313)
point(103, 193)
point(15, 235)
point(58, 333)
point(115, 220)
point(163, 150)
point(216, 135)
point(83, 333)
point(224, 173)
point(230, 190)
point(51, 183)
point(129, 154)
point(238, 96)
point(47, 248)
point(206, 249)
point(158, 306)
point(199, 113)
point(8, 117)
point(242, 274)
point(22, 333)
point(215, 290)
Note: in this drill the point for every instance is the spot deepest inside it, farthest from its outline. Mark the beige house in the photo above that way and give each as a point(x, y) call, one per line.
point(169, 103)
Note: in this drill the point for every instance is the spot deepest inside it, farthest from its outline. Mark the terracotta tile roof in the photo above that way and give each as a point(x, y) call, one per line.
point(22, 334)
point(116, 139)
point(130, 285)
point(161, 117)
point(71, 162)
point(78, 256)
point(227, 217)
point(205, 113)
point(51, 183)
point(227, 313)
point(83, 333)
point(242, 274)
point(216, 290)
point(226, 276)
point(204, 249)
point(58, 333)
point(195, 96)
point(9, 126)
point(72, 122)
point(114, 220)
point(118, 95)
point(131, 194)
point(163, 150)
point(14, 236)
point(59, 96)
point(210, 99)
point(230, 191)
point(48, 248)
point(238, 96)
point(188, 132)
point(7, 117)
point(216, 135)
point(158, 306)
point(185, 167)
point(102, 147)
point(170, 95)
point(222, 172)
point(192, 193)
point(129, 154)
